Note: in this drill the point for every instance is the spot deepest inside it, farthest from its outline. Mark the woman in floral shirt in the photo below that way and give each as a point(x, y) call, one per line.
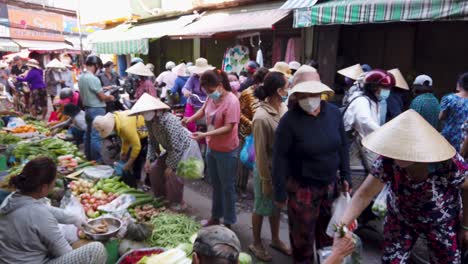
point(165, 130)
point(425, 177)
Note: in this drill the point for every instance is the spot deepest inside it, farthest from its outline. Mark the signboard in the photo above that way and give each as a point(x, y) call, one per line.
point(4, 22)
point(25, 24)
point(70, 26)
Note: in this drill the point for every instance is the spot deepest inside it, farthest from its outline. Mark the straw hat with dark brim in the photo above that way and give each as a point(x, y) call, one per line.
point(200, 67)
point(409, 137)
point(104, 124)
point(33, 63)
point(147, 103)
point(352, 72)
point(399, 79)
point(282, 67)
point(55, 64)
point(312, 87)
point(140, 69)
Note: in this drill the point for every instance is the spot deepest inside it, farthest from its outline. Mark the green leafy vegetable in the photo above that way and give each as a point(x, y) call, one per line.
point(7, 139)
point(191, 169)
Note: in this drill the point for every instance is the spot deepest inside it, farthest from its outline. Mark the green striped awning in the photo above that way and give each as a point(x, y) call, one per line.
point(137, 46)
point(379, 11)
point(117, 41)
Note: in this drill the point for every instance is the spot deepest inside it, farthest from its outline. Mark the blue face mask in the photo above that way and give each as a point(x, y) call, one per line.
point(284, 98)
point(215, 95)
point(384, 94)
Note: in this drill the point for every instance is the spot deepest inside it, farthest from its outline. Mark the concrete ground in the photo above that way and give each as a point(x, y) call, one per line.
point(199, 205)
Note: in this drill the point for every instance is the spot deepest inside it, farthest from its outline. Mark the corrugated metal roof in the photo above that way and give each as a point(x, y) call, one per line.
point(293, 4)
point(255, 17)
point(8, 45)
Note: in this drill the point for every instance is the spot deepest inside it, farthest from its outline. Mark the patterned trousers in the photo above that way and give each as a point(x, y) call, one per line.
point(92, 253)
point(399, 239)
point(309, 211)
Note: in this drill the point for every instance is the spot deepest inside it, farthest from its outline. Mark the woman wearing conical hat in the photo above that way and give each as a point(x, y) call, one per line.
point(425, 178)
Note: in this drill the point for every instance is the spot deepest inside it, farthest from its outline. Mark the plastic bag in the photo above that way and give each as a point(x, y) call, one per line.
point(118, 205)
point(15, 122)
point(247, 155)
point(354, 258)
point(379, 208)
point(338, 208)
point(191, 166)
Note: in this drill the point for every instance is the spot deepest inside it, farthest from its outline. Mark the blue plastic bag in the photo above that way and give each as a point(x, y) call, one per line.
point(247, 155)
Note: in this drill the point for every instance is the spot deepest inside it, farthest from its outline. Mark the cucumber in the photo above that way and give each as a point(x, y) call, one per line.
point(141, 202)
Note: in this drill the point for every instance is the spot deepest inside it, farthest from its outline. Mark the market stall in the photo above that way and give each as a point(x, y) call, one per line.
point(134, 226)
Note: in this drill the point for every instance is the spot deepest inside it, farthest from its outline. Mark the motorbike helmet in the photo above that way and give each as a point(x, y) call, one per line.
point(380, 78)
point(135, 61)
point(66, 93)
point(93, 60)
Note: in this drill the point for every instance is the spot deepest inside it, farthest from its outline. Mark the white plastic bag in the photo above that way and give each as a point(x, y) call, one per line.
point(15, 122)
point(191, 166)
point(379, 208)
point(338, 209)
point(118, 205)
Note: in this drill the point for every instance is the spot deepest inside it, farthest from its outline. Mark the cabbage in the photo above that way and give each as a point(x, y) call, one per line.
point(187, 248)
point(245, 258)
point(191, 169)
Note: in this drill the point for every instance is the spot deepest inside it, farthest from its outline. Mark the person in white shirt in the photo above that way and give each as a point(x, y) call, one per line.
point(76, 122)
point(166, 79)
point(362, 116)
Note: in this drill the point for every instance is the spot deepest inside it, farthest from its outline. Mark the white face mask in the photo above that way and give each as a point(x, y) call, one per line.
point(309, 104)
point(148, 116)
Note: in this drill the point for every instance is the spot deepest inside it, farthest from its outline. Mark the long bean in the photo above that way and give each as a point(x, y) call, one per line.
point(170, 230)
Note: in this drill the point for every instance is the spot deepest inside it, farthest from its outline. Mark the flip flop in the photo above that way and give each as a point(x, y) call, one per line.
point(262, 255)
point(283, 249)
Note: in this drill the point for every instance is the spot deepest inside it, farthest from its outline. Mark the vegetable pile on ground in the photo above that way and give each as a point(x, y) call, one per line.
point(51, 147)
point(7, 139)
point(68, 164)
point(172, 256)
point(24, 129)
point(191, 169)
point(144, 213)
point(135, 256)
point(90, 197)
point(4, 184)
point(40, 126)
point(171, 230)
point(114, 185)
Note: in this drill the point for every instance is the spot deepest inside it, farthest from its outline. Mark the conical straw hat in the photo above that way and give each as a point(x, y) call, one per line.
point(400, 80)
point(352, 72)
point(56, 64)
point(140, 69)
point(409, 137)
point(147, 103)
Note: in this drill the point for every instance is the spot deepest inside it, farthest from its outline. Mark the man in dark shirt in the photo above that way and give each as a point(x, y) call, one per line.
point(18, 68)
point(109, 77)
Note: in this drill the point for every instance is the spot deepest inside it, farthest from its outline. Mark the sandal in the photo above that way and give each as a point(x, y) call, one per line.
point(281, 248)
point(260, 254)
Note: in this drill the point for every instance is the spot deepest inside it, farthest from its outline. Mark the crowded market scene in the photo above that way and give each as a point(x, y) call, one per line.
point(233, 132)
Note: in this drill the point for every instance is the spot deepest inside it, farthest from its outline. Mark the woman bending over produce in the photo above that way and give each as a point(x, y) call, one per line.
point(425, 177)
point(164, 129)
point(29, 231)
